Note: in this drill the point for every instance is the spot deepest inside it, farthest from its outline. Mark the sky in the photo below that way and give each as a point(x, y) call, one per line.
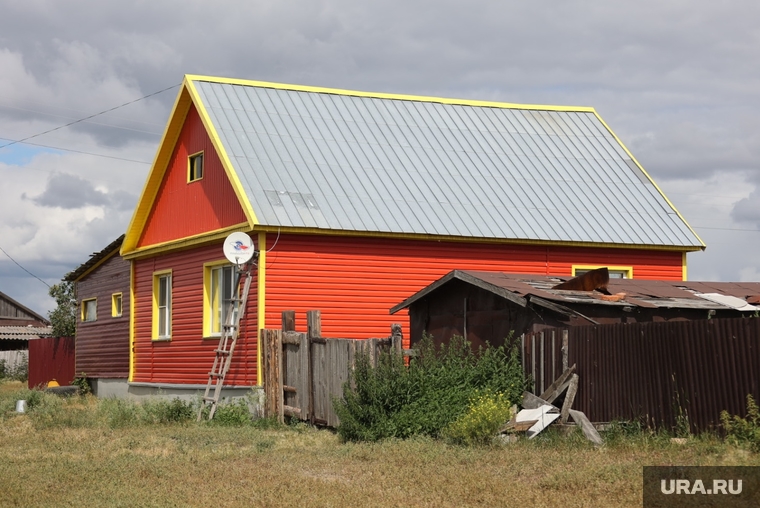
point(677, 81)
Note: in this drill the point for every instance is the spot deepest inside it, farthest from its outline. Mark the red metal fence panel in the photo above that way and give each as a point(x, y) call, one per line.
point(663, 374)
point(51, 358)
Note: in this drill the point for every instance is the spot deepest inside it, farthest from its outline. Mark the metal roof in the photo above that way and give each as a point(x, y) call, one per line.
point(521, 288)
point(356, 162)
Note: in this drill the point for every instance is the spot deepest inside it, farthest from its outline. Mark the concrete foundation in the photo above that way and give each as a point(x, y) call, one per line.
point(121, 388)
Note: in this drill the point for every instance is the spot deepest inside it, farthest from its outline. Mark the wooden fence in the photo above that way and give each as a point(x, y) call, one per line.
point(304, 372)
point(666, 374)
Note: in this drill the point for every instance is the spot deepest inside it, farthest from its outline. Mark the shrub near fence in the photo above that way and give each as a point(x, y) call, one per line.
point(431, 393)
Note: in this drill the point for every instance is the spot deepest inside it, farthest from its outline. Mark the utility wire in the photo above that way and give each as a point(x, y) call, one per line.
point(27, 271)
point(78, 151)
point(88, 117)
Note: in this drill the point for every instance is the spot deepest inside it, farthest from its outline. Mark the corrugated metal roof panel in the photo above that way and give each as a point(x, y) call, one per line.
point(410, 166)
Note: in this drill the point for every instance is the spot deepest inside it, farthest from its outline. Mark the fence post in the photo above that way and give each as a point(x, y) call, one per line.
point(273, 405)
point(313, 331)
point(397, 338)
point(564, 350)
point(288, 321)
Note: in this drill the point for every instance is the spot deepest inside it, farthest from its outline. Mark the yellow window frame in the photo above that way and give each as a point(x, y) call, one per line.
point(157, 276)
point(209, 303)
point(116, 310)
point(626, 270)
point(190, 166)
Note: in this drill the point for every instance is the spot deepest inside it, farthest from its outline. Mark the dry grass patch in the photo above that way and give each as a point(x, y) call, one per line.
point(81, 461)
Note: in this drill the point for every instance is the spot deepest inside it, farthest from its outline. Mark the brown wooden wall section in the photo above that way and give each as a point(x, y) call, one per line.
point(102, 349)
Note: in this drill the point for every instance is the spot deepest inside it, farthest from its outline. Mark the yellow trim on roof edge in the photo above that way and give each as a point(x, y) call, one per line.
point(226, 163)
point(261, 319)
point(157, 170)
point(184, 243)
point(704, 246)
point(380, 95)
point(460, 239)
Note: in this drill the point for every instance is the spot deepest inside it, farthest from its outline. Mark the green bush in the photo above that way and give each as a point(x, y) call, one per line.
point(485, 414)
point(423, 398)
point(232, 414)
point(743, 430)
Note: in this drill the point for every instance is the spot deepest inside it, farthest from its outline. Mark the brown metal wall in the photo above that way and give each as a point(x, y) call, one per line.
point(103, 344)
point(654, 371)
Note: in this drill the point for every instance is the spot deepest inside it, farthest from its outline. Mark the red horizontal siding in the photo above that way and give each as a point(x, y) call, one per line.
point(355, 281)
point(183, 209)
point(188, 357)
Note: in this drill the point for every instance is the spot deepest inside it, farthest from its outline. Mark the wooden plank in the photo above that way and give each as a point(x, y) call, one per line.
point(289, 389)
point(304, 373)
point(555, 390)
point(514, 426)
point(565, 352)
point(531, 401)
point(397, 338)
point(569, 398)
point(291, 411)
point(288, 321)
point(272, 340)
point(588, 429)
point(314, 324)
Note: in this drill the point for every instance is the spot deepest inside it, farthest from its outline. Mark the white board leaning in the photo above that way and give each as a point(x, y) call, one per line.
point(238, 248)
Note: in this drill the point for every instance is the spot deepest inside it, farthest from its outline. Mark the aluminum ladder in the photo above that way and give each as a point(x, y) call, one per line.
point(223, 353)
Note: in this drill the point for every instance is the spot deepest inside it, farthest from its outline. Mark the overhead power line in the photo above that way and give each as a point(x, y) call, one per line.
point(89, 117)
point(82, 152)
point(27, 271)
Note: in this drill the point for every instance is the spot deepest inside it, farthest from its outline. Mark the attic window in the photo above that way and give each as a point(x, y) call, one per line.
point(195, 167)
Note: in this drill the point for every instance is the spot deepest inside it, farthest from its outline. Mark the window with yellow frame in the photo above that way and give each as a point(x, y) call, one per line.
point(195, 167)
point(218, 289)
point(616, 272)
point(89, 310)
point(116, 302)
point(162, 305)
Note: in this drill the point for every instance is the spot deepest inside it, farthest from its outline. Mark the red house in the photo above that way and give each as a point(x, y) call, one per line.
point(357, 200)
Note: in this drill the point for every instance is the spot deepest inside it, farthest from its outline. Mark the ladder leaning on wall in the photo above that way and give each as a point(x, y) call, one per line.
point(223, 353)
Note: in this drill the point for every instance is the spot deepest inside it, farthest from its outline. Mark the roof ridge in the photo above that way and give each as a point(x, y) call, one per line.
point(386, 95)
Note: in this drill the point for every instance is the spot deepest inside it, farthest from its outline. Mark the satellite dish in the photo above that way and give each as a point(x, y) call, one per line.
point(238, 248)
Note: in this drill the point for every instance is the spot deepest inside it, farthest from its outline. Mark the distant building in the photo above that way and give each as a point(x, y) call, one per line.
point(19, 324)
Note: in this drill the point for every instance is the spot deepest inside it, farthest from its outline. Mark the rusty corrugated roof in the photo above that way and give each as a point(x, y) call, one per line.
point(639, 293)
point(96, 259)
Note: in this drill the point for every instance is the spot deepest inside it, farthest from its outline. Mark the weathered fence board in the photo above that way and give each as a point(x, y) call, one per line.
point(666, 373)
